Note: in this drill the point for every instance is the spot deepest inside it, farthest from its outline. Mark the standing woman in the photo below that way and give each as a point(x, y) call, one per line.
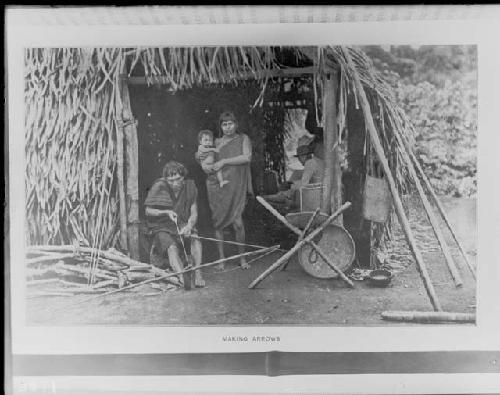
point(228, 202)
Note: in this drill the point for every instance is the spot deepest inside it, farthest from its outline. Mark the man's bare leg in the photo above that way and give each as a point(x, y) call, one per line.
point(239, 230)
point(175, 260)
point(196, 252)
point(219, 234)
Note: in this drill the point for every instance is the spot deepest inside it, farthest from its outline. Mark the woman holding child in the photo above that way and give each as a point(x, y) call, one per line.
point(229, 180)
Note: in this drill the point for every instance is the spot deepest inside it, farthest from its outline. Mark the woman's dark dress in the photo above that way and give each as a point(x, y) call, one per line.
point(227, 203)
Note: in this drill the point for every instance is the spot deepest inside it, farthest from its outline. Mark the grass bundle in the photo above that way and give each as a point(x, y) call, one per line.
point(69, 126)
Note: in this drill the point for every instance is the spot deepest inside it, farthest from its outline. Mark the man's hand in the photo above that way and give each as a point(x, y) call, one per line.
point(172, 214)
point(154, 212)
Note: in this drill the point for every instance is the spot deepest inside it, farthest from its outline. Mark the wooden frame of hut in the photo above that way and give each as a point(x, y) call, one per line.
point(82, 143)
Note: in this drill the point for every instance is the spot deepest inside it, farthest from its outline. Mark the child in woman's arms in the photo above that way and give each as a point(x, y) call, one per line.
point(206, 153)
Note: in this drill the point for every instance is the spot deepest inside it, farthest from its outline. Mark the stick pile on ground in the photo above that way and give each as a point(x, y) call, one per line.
point(72, 270)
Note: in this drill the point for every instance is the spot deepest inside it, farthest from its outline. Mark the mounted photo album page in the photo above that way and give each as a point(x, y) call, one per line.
point(293, 187)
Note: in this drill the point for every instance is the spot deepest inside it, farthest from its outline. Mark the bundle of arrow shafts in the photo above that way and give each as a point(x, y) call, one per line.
point(66, 270)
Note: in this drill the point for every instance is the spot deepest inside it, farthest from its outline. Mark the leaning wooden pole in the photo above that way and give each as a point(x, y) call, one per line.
point(301, 235)
point(121, 186)
point(443, 212)
point(405, 224)
point(295, 248)
point(430, 215)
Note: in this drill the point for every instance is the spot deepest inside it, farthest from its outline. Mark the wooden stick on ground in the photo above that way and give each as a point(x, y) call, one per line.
point(443, 212)
point(307, 239)
point(174, 274)
point(430, 215)
point(262, 256)
point(428, 317)
point(226, 241)
point(48, 258)
point(405, 224)
point(37, 294)
point(304, 232)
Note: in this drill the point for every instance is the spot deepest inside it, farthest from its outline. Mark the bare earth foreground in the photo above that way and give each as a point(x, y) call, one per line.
point(288, 297)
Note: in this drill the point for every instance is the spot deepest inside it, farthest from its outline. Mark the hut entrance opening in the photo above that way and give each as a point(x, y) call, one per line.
point(168, 127)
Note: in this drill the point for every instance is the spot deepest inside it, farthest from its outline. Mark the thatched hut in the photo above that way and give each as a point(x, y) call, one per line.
point(85, 148)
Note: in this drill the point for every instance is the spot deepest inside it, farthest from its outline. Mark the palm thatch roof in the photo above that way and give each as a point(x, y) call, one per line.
point(73, 106)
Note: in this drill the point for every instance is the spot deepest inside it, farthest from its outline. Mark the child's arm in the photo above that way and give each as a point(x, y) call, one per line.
point(203, 149)
point(209, 159)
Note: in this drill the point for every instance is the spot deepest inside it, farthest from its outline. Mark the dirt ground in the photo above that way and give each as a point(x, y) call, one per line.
point(289, 297)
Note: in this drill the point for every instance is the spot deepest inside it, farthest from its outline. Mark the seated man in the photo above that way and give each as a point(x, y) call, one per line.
point(314, 170)
point(172, 212)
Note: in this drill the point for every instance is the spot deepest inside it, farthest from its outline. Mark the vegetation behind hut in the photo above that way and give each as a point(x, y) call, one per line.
point(437, 88)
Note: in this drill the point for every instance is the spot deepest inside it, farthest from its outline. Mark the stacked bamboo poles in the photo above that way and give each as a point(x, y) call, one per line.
point(411, 164)
point(432, 218)
point(168, 276)
point(374, 137)
point(442, 211)
point(64, 269)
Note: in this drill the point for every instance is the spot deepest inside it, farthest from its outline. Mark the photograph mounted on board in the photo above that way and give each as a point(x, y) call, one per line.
point(251, 185)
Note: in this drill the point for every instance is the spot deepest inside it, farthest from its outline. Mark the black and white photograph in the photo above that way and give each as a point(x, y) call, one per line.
point(242, 191)
point(323, 185)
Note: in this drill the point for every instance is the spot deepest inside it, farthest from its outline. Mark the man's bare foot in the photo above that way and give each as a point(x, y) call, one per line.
point(219, 266)
point(198, 280)
point(244, 264)
point(223, 182)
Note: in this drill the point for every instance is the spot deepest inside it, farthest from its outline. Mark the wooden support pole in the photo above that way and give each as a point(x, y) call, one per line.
point(132, 167)
point(122, 206)
point(428, 317)
point(295, 248)
point(278, 73)
point(406, 150)
point(405, 224)
point(443, 212)
point(332, 181)
point(121, 187)
point(354, 182)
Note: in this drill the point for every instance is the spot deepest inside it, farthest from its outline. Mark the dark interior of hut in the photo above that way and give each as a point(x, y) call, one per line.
point(169, 122)
point(168, 126)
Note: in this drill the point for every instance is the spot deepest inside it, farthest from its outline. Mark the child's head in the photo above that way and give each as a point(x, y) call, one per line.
point(206, 137)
